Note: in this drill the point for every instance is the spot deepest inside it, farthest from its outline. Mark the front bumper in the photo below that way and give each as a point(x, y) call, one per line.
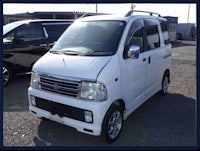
point(73, 107)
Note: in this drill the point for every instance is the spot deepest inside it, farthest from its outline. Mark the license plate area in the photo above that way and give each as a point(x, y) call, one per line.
point(61, 110)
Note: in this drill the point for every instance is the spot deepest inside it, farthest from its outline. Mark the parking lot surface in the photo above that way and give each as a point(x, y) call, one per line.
point(162, 121)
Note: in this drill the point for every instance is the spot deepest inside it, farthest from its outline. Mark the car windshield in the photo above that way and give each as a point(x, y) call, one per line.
point(8, 27)
point(90, 38)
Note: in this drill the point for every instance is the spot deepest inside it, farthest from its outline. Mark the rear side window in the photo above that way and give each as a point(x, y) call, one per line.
point(165, 32)
point(55, 30)
point(152, 33)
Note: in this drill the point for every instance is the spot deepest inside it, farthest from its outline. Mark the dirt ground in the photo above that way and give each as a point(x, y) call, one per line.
point(161, 121)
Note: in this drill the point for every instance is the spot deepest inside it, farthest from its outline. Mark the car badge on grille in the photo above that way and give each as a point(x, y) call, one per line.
point(55, 86)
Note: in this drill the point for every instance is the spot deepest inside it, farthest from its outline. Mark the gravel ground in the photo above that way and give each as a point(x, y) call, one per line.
point(161, 121)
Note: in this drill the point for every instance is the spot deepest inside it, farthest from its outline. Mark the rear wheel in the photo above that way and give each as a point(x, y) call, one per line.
point(7, 74)
point(165, 84)
point(112, 124)
point(179, 36)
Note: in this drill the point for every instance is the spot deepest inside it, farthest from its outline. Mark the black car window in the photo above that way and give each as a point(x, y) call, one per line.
point(55, 30)
point(30, 31)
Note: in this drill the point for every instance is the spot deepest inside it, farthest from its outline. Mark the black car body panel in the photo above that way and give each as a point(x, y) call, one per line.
point(24, 42)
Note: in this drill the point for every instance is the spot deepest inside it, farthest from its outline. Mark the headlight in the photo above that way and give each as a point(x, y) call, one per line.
point(93, 91)
point(34, 80)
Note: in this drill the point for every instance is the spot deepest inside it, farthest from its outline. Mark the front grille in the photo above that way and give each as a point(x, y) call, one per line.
point(65, 87)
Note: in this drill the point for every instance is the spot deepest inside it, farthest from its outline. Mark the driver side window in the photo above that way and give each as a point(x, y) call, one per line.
point(26, 32)
point(30, 31)
point(135, 35)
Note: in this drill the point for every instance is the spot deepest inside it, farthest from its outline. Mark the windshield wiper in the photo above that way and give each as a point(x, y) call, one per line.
point(78, 53)
point(62, 51)
point(70, 52)
point(91, 53)
point(55, 51)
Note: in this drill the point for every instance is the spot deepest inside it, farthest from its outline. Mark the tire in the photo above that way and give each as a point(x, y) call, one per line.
point(179, 36)
point(7, 74)
point(112, 124)
point(165, 84)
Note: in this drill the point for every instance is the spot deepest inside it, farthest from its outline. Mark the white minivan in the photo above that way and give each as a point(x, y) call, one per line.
point(100, 70)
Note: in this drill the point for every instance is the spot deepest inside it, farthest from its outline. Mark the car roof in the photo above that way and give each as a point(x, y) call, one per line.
point(13, 25)
point(103, 17)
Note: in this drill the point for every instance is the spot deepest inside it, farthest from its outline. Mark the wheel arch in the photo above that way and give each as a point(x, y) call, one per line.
point(120, 106)
point(119, 102)
point(10, 66)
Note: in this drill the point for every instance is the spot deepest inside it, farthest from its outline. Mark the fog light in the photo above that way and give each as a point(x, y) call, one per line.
point(88, 116)
point(33, 100)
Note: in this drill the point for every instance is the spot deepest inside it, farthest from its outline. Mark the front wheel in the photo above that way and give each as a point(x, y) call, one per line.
point(112, 124)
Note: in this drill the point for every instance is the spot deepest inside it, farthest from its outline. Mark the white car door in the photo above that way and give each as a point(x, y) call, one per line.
point(133, 71)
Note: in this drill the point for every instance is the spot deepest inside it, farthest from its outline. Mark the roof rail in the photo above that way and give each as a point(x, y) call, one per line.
point(132, 11)
point(84, 15)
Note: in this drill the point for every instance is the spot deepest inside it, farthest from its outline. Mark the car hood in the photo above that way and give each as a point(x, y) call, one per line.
point(84, 67)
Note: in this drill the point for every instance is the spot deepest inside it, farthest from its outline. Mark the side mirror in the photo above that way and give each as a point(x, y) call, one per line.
point(18, 38)
point(133, 52)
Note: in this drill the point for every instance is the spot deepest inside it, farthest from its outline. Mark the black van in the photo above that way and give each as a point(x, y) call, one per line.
point(24, 42)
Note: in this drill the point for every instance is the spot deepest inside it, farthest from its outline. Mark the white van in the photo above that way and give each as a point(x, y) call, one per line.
point(100, 70)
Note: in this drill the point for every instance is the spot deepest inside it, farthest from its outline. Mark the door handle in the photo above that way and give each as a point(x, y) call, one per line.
point(144, 59)
point(43, 45)
point(149, 59)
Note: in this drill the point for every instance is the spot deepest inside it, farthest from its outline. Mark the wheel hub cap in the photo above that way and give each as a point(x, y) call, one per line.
point(115, 124)
point(5, 75)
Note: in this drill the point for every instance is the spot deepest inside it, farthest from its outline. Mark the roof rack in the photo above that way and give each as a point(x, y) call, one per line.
point(84, 15)
point(132, 11)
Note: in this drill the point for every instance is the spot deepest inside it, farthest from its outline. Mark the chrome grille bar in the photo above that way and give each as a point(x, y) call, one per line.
point(61, 86)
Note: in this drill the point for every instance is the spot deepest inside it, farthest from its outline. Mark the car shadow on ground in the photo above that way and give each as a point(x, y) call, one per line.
point(15, 97)
point(180, 43)
point(161, 121)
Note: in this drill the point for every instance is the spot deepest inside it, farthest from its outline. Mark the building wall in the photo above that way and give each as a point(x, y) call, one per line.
point(172, 27)
point(46, 15)
point(12, 18)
